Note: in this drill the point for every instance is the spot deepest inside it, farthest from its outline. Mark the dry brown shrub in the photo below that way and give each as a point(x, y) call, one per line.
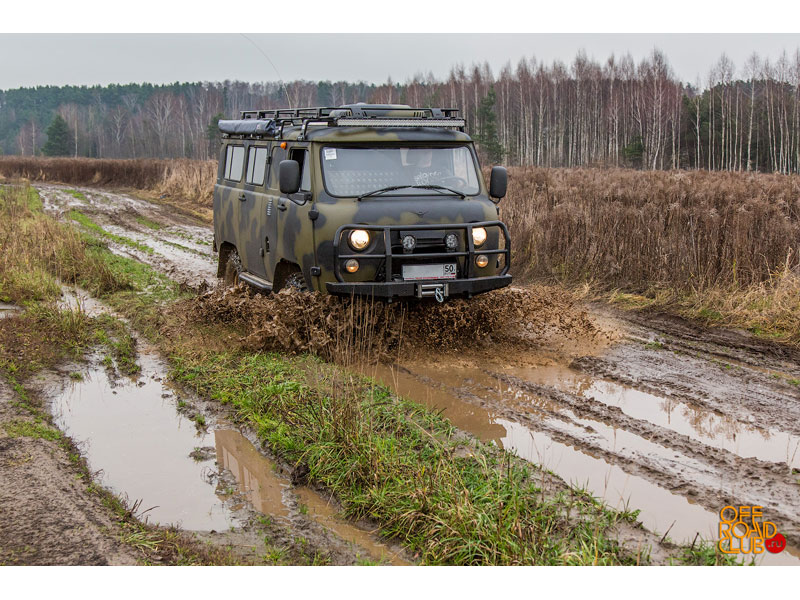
point(184, 178)
point(686, 230)
point(347, 330)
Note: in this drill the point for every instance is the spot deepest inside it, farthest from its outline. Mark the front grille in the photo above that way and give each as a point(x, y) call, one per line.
point(430, 248)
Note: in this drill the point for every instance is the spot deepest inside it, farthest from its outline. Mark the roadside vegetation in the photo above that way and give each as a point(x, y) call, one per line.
point(447, 498)
point(721, 248)
point(36, 254)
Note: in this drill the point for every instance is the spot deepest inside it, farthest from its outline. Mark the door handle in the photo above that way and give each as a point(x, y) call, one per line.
point(282, 204)
point(242, 197)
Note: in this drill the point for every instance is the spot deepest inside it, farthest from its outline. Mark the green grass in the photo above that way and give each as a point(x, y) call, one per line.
point(389, 460)
point(145, 222)
point(93, 227)
point(19, 428)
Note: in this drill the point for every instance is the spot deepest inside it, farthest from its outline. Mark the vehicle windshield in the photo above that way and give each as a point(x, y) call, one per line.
point(359, 171)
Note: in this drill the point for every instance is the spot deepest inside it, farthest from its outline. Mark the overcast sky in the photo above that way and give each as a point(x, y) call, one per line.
point(87, 59)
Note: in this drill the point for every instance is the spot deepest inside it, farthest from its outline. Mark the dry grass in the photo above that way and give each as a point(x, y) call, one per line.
point(642, 230)
point(188, 179)
point(35, 249)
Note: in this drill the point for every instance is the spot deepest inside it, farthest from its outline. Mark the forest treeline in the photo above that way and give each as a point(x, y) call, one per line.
point(587, 113)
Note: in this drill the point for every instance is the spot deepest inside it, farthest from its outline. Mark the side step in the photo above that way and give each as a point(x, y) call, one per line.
point(262, 285)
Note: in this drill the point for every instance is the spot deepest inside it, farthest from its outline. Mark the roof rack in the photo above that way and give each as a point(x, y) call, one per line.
point(272, 122)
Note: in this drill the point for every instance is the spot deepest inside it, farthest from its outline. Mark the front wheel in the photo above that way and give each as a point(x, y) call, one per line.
point(233, 266)
point(296, 281)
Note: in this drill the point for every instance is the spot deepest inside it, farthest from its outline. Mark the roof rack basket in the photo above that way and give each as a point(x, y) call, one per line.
point(272, 122)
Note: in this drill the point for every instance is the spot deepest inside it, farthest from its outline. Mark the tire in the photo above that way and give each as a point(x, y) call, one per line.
point(233, 266)
point(296, 281)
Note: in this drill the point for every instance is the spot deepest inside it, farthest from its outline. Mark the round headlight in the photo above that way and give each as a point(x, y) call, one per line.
point(478, 236)
point(351, 265)
point(482, 260)
point(409, 243)
point(359, 239)
point(451, 241)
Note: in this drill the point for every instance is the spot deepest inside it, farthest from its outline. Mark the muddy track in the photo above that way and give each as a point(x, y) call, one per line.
point(656, 414)
point(169, 240)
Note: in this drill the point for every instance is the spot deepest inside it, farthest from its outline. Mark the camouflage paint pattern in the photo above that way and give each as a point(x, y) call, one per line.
point(273, 232)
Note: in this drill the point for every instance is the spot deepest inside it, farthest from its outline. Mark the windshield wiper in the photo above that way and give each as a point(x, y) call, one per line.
point(391, 188)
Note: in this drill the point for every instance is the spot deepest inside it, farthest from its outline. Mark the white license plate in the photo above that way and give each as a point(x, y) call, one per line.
point(414, 272)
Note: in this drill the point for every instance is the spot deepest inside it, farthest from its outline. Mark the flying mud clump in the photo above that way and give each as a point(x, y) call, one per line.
point(356, 328)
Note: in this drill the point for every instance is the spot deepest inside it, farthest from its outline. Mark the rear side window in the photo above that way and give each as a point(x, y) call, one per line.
point(257, 165)
point(234, 161)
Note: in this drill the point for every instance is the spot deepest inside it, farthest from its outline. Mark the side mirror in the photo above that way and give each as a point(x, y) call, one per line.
point(289, 176)
point(498, 182)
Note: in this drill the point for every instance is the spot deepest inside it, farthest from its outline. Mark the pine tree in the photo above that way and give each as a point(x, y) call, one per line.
point(59, 138)
point(488, 139)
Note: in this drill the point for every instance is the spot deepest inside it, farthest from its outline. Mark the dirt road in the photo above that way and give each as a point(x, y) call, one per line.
point(667, 418)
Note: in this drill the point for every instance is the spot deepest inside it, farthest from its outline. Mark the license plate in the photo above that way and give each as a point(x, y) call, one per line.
point(415, 272)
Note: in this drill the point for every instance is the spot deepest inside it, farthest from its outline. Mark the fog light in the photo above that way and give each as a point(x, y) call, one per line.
point(351, 265)
point(409, 243)
point(482, 260)
point(478, 236)
point(451, 241)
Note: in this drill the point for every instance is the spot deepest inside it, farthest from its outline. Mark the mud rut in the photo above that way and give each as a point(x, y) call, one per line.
point(671, 420)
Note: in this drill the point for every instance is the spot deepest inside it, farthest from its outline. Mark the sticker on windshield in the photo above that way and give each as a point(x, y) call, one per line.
point(330, 153)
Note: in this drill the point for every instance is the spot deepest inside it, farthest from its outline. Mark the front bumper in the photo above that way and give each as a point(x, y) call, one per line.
point(410, 289)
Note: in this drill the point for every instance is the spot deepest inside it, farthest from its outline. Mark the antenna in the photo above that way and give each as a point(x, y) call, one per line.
point(280, 79)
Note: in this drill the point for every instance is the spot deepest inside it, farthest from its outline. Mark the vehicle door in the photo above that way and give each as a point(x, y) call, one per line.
point(253, 243)
point(293, 230)
point(293, 224)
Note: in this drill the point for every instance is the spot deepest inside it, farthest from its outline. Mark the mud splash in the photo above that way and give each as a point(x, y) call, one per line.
point(353, 330)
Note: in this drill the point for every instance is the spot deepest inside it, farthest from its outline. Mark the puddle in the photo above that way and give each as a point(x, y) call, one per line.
point(698, 423)
point(132, 434)
point(271, 492)
point(140, 447)
point(660, 509)
point(9, 310)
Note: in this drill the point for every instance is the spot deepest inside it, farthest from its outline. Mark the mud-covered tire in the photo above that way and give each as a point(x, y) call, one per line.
point(296, 281)
point(233, 266)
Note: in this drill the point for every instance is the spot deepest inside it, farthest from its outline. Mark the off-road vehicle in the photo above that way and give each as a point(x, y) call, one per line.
point(379, 200)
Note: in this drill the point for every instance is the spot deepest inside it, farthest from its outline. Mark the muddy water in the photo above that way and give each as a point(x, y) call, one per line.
point(131, 433)
point(486, 405)
point(9, 310)
point(142, 448)
point(696, 422)
point(272, 493)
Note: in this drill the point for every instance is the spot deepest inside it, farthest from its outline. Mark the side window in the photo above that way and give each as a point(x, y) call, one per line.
point(301, 156)
point(256, 165)
point(234, 161)
point(278, 154)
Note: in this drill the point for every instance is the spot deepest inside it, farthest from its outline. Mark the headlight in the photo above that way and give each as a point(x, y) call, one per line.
point(478, 236)
point(482, 260)
point(351, 265)
point(359, 239)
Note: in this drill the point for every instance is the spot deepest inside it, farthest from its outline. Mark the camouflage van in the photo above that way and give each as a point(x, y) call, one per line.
point(378, 200)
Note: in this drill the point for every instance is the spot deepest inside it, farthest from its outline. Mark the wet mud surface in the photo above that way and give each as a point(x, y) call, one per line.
point(180, 245)
point(47, 517)
point(646, 412)
point(143, 441)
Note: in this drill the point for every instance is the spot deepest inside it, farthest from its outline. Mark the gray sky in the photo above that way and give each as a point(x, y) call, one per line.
point(87, 59)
